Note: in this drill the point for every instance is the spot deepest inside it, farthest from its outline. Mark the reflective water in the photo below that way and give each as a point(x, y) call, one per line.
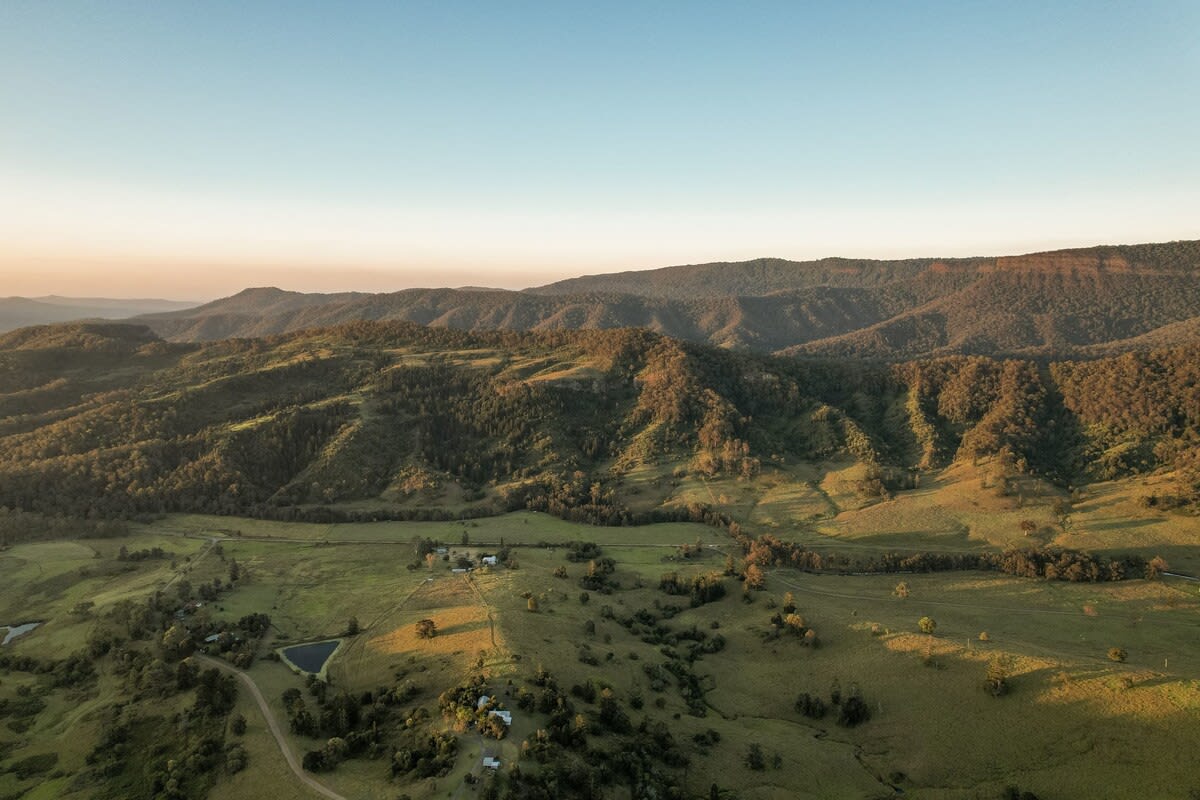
point(311, 657)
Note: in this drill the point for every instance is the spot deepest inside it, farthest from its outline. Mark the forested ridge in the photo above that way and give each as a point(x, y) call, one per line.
point(107, 420)
point(1067, 303)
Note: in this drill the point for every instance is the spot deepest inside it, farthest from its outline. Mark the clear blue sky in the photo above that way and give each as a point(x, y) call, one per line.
point(511, 143)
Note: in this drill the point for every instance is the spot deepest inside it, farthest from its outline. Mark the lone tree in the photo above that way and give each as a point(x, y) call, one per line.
point(755, 759)
point(927, 625)
point(901, 590)
point(426, 628)
point(754, 578)
point(1155, 567)
point(352, 626)
point(996, 682)
point(1062, 512)
point(853, 710)
point(1118, 654)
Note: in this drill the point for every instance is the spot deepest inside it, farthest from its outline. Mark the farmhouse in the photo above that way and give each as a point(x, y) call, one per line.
point(505, 716)
point(489, 561)
point(491, 763)
point(189, 608)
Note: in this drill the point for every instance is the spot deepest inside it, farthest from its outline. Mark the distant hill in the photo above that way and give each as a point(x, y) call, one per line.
point(762, 324)
point(1063, 303)
point(17, 312)
point(768, 275)
point(762, 276)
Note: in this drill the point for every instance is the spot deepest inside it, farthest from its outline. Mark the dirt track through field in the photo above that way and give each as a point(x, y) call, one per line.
point(487, 606)
point(273, 726)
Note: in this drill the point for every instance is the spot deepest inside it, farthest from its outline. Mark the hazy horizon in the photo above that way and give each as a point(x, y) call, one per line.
point(187, 152)
point(92, 282)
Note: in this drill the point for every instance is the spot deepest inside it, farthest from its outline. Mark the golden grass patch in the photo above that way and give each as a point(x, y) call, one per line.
point(1139, 694)
point(938, 646)
point(459, 629)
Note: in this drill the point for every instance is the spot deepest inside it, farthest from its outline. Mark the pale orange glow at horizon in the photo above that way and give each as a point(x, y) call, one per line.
point(85, 239)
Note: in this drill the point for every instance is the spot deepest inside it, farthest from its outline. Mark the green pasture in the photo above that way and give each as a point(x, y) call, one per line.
point(1073, 718)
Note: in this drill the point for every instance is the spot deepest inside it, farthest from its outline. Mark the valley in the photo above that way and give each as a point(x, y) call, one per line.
point(672, 570)
point(599, 401)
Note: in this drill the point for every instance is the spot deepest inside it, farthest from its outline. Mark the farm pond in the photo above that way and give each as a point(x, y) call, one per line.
point(311, 657)
point(13, 631)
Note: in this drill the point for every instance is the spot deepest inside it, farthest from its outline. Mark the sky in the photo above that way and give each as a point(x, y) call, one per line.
point(188, 150)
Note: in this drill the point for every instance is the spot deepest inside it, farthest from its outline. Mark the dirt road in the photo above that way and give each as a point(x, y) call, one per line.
point(273, 726)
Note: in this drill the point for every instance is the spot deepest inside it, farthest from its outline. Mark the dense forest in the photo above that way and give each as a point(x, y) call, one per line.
point(106, 420)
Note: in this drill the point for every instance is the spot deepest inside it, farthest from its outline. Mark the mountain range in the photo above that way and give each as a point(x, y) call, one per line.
point(1067, 303)
point(105, 418)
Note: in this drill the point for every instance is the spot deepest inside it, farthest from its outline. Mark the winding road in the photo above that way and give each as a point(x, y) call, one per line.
point(273, 726)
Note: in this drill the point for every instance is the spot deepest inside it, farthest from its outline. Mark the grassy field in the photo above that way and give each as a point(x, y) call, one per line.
point(1075, 723)
point(521, 527)
point(46, 582)
point(934, 725)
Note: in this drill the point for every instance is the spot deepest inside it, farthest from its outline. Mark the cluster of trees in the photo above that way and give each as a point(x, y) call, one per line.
point(460, 705)
point(427, 755)
point(598, 576)
point(641, 756)
point(351, 726)
point(74, 671)
point(144, 554)
point(700, 588)
point(1029, 561)
point(177, 767)
point(793, 624)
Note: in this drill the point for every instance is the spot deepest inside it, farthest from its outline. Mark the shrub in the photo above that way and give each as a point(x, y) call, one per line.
point(853, 711)
point(996, 681)
point(810, 706)
point(27, 767)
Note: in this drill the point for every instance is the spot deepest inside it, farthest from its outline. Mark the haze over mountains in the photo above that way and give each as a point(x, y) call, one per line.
point(1071, 302)
point(18, 312)
point(1068, 303)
